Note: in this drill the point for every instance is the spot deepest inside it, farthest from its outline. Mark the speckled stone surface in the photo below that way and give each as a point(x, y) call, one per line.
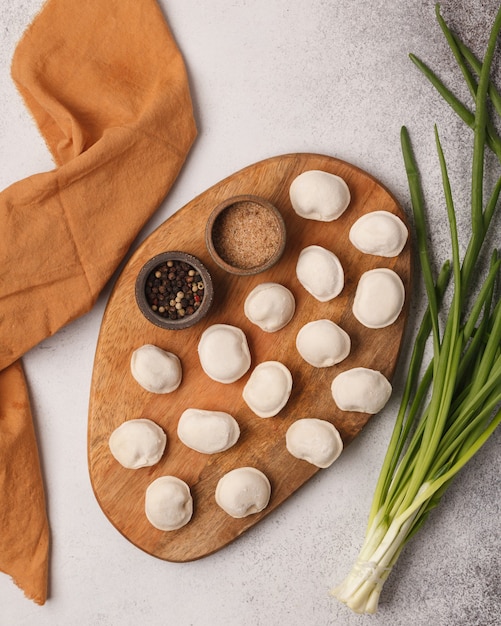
point(270, 77)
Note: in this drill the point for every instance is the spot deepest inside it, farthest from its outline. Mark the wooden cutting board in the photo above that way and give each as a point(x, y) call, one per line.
point(116, 397)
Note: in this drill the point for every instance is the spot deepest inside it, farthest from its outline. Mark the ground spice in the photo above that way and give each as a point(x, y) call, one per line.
point(246, 235)
point(174, 290)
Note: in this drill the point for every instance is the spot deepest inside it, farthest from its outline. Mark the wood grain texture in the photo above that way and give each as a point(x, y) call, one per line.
point(115, 396)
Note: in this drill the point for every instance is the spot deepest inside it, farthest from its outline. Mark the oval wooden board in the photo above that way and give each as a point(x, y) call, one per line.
point(116, 397)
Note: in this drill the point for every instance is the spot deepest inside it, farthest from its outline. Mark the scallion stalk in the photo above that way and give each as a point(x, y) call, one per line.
point(450, 408)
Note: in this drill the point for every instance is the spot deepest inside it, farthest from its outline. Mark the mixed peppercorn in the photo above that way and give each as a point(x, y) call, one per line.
point(174, 290)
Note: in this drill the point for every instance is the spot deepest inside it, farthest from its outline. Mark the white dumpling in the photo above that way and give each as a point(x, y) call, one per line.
point(323, 343)
point(320, 196)
point(224, 353)
point(268, 388)
point(208, 431)
point(314, 440)
point(379, 298)
point(155, 369)
point(243, 491)
point(270, 306)
point(361, 389)
point(137, 443)
point(320, 272)
point(380, 233)
point(168, 503)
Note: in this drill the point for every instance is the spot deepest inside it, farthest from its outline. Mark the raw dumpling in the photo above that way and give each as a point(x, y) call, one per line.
point(243, 491)
point(270, 306)
point(314, 440)
point(137, 443)
point(268, 388)
point(224, 353)
point(207, 431)
point(320, 196)
point(380, 233)
point(379, 298)
point(361, 389)
point(168, 503)
point(320, 272)
point(323, 343)
point(155, 369)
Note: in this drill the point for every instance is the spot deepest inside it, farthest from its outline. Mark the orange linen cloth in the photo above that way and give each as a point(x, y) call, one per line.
point(108, 89)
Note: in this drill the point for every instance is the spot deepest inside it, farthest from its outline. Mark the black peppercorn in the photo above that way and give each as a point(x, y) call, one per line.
point(170, 290)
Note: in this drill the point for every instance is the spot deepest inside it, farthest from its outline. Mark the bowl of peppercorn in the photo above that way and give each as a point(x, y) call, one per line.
point(245, 235)
point(174, 290)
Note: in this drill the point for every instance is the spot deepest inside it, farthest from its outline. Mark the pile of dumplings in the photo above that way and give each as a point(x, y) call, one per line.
point(225, 357)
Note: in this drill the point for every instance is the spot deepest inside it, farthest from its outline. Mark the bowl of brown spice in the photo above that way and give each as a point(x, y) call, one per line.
point(174, 290)
point(245, 235)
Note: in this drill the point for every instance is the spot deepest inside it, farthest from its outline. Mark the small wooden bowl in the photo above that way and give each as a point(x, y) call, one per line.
point(154, 316)
point(245, 235)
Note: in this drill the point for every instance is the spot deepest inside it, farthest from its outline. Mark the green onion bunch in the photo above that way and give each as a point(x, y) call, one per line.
point(452, 405)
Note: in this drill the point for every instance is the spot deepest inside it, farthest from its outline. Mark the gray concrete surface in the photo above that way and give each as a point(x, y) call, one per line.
point(271, 77)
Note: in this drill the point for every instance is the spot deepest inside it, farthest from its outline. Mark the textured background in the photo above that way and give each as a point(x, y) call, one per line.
point(271, 78)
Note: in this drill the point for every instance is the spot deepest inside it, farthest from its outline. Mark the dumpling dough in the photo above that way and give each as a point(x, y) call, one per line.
point(243, 491)
point(268, 388)
point(168, 503)
point(208, 431)
point(361, 389)
point(314, 440)
point(381, 233)
point(155, 369)
point(137, 443)
point(323, 343)
point(224, 353)
point(320, 196)
point(320, 272)
point(379, 298)
point(270, 306)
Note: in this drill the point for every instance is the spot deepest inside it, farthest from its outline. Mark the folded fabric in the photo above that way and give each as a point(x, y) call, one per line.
point(107, 86)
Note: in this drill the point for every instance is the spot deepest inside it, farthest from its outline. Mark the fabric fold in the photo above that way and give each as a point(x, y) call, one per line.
point(107, 87)
point(25, 530)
